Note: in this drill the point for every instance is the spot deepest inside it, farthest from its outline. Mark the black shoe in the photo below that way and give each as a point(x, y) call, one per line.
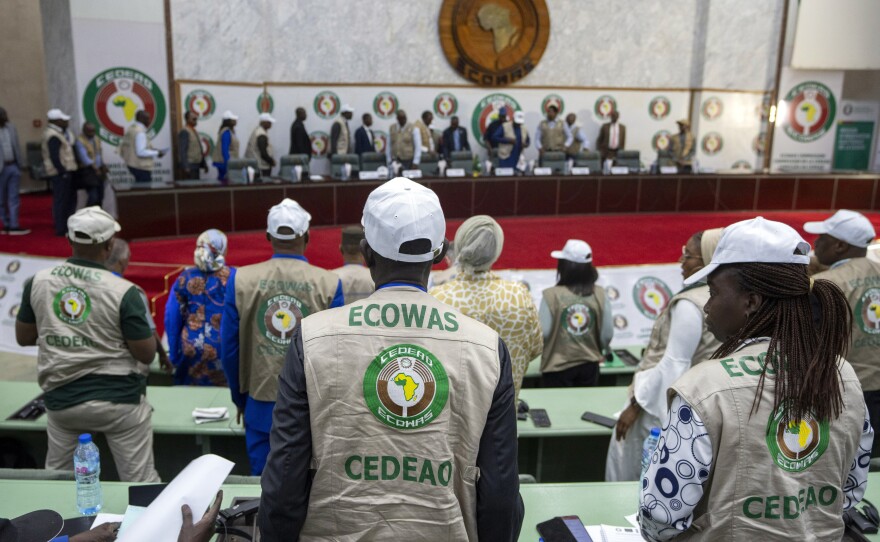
point(18, 231)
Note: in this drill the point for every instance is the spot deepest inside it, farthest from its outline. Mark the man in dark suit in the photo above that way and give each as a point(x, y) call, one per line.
point(363, 137)
point(299, 136)
point(612, 137)
point(454, 139)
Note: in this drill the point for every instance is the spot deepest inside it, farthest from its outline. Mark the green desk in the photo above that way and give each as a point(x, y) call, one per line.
point(613, 373)
point(595, 503)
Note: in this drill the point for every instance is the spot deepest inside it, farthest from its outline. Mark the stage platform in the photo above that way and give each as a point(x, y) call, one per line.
point(186, 210)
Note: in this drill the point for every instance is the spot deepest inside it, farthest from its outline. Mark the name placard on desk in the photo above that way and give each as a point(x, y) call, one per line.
point(542, 171)
point(580, 171)
point(368, 175)
point(620, 170)
point(504, 172)
point(412, 173)
point(668, 170)
point(455, 172)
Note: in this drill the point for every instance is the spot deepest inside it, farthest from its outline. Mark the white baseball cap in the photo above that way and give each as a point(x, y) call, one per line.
point(756, 241)
point(229, 115)
point(400, 211)
point(574, 250)
point(347, 109)
point(849, 226)
point(290, 214)
point(57, 114)
point(519, 117)
point(91, 226)
point(267, 118)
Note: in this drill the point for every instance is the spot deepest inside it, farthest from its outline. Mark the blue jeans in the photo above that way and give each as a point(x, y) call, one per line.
point(10, 179)
point(141, 175)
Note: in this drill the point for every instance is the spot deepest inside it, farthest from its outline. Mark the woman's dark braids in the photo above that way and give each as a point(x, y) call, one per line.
point(803, 350)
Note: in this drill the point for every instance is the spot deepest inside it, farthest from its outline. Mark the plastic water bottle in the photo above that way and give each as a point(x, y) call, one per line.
point(87, 470)
point(649, 447)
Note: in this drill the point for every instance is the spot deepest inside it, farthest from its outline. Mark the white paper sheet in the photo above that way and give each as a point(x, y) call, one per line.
point(196, 486)
point(103, 518)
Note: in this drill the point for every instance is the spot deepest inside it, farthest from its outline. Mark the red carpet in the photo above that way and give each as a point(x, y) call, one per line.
point(616, 240)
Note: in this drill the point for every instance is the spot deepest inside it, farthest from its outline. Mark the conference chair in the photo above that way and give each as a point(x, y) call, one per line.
point(337, 163)
point(34, 153)
point(463, 160)
point(590, 159)
point(429, 164)
point(665, 159)
point(288, 162)
point(371, 161)
point(555, 161)
point(236, 170)
point(628, 159)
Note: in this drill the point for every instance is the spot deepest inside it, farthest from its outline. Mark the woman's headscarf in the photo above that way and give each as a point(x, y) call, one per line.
point(709, 242)
point(210, 254)
point(478, 243)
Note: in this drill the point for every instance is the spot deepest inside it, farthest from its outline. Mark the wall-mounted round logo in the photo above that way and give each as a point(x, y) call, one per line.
point(385, 104)
point(659, 108)
point(868, 311)
point(13, 311)
point(320, 143)
point(207, 144)
point(406, 387)
point(201, 102)
point(742, 164)
point(2, 292)
point(552, 99)
point(380, 140)
point(847, 109)
point(576, 319)
point(612, 293)
point(651, 296)
point(281, 314)
point(661, 140)
point(811, 111)
point(759, 144)
point(620, 322)
point(72, 305)
point(13, 266)
point(487, 110)
point(795, 445)
point(326, 104)
point(445, 105)
point(604, 106)
point(265, 102)
point(112, 98)
point(712, 143)
point(712, 108)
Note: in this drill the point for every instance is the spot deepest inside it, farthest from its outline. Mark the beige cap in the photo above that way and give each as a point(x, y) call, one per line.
point(91, 226)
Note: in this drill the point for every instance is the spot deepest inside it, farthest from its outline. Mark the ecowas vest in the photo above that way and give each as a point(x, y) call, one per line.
point(399, 388)
point(506, 149)
point(575, 147)
point(402, 144)
point(129, 152)
point(859, 279)
point(698, 295)
point(253, 152)
point(272, 297)
point(92, 146)
point(65, 152)
point(574, 339)
point(77, 311)
point(552, 139)
point(193, 147)
point(770, 480)
point(217, 154)
point(344, 140)
point(357, 283)
point(425, 134)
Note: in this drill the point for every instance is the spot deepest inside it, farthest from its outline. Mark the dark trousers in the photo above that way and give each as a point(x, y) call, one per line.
point(580, 376)
point(141, 175)
point(93, 184)
point(872, 400)
point(63, 201)
point(191, 172)
point(266, 173)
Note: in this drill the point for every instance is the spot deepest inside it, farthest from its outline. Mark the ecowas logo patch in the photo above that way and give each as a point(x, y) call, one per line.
point(811, 111)
point(406, 387)
point(72, 305)
point(281, 315)
point(868, 311)
point(651, 296)
point(796, 445)
point(112, 98)
point(577, 319)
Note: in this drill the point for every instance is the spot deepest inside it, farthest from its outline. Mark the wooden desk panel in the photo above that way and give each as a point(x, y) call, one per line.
point(618, 194)
point(697, 193)
point(815, 194)
point(250, 207)
point(736, 194)
point(658, 194)
point(775, 193)
point(578, 195)
point(536, 196)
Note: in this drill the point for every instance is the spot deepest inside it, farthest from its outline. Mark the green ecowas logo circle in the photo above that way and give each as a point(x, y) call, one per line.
point(445, 105)
point(651, 296)
point(385, 105)
point(72, 305)
point(577, 319)
point(868, 311)
point(207, 144)
point(811, 111)
point(406, 387)
point(281, 316)
point(659, 108)
point(661, 141)
point(712, 108)
point(201, 103)
point(265, 102)
point(712, 143)
point(112, 98)
point(604, 106)
point(487, 110)
point(553, 99)
point(795, 445)
point(327, 104)
point(320, 143)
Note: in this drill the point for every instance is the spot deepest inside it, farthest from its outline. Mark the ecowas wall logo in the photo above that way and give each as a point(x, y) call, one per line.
point(385, 105)
point(604, 106)
point(201, 102)
point(445, 105)
point(661, 140)
point(659, 108)
point(712, 143)
point(112, 98)
point(207, 143)
point(651, 296)
point(327, 104)
point(265, 102)
point(487, 110)
point(796, 445)
point(577, 319)
point(72, 305)
point(281, 315)
point(712, 108)
point(320, 143)
point(380, 140)
point(406, 387)
point(811, 111)
point(868, 311)
point(553, 99)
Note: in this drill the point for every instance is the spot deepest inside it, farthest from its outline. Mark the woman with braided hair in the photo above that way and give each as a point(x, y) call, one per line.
point(770, 439)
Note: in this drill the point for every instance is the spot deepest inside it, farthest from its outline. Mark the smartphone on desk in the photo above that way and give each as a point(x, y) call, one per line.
point(539, 417)
point(564, 529)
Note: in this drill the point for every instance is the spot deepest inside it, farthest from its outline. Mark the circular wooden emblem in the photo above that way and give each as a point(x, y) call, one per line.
point(494, 43)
